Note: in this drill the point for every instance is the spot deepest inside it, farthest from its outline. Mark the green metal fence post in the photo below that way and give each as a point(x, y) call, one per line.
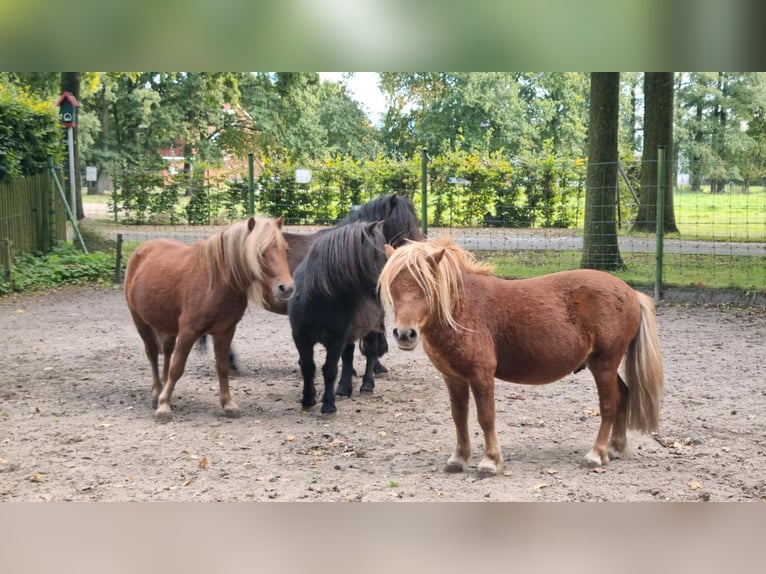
point(424, 192)
point(251, 185)
point(660, 230)
point(118, 261)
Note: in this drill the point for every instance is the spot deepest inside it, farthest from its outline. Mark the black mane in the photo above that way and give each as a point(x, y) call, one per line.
point(401, 222)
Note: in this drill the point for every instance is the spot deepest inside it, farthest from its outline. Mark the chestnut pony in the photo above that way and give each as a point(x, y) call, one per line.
point(176, 293)
point(476, 327)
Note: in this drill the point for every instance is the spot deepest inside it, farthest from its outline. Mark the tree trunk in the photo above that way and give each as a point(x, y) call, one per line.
point(70, 82)
point(658, 130)
point(600, 247)
point(103, 180)
point(699, 138)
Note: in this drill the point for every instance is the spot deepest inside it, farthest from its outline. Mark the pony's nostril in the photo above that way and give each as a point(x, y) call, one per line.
point(411, 333)
point(396, 333)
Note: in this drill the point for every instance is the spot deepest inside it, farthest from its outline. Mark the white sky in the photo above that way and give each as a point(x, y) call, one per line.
point(363, 87)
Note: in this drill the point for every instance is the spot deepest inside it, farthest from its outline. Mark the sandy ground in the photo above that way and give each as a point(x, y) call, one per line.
point(76, 421)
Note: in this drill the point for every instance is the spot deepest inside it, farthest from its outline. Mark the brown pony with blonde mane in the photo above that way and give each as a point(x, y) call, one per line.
point(176, 293)
point(476, 327)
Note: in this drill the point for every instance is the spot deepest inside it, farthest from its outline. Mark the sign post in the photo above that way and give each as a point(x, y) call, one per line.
point(68, 114)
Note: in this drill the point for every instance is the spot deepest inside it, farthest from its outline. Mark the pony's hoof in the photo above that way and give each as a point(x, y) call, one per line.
point(379, 369)
point(232, 412)
point(454, 465)
point(486, 469)
point(619, 453)
point(163, 415)
point(308, 403)
point(367, 387)
point(594, 459)
point(343, 391)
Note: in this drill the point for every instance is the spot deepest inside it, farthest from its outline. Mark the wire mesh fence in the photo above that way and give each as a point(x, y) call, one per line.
point(529, 217)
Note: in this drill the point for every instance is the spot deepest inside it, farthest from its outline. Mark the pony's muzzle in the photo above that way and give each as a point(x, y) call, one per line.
point(407, 339)
point(283, 291)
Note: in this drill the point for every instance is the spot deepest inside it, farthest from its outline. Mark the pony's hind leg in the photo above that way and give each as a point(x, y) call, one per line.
point(609, 399)
point(458, 399)
point(618, 443)
point(222, 346)
point(168, 346)
point(184, 344)
point(374, 345)
point(346, 371)
point(151, 348)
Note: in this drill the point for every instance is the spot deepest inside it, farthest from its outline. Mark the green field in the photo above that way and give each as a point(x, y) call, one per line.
point(732, 216)
point(707, 271)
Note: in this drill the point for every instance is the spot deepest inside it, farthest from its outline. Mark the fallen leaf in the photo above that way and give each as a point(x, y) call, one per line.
point(188, 481)
point(291, 437)
point(36, 477)
point(551, 470)
point(539, 486)
point(383, 433)
point(19, 311)
point(507, 473)
point(203, 464)
point(186, 452)
point(694, 485)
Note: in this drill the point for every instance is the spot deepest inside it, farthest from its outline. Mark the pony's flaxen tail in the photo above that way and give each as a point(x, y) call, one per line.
point(643, 372)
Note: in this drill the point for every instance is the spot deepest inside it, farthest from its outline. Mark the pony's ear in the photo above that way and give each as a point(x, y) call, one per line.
point(280, 220)
point(389, 250)
point(371, 227)
point(436, 257)
point(250, 223)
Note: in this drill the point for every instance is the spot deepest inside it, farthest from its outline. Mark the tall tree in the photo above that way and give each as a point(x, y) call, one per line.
point(70, 82)
point(658, 130)
point(600, 247)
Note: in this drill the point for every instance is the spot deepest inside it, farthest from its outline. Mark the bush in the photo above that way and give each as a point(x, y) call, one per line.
point(65, 265)
point(29, 131)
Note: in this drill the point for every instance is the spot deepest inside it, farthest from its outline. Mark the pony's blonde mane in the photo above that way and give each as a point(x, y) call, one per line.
point(441, 283)
point(235, 255)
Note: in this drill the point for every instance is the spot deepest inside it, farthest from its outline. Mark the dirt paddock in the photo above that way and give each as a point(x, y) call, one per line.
point(76, 421)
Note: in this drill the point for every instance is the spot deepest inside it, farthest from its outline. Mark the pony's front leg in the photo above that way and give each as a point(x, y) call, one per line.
point(483, 389)
point(222, 346)
point(184, 344)
point(346, 371)
point(330, 372)
point(458, 398)
point(308, 370)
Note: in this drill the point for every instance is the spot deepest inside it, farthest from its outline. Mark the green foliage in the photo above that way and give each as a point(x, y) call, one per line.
point(64, 265)
point(29, 131)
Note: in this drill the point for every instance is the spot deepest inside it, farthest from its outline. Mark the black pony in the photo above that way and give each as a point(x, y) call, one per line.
point(400, 223)
point(336, 303)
